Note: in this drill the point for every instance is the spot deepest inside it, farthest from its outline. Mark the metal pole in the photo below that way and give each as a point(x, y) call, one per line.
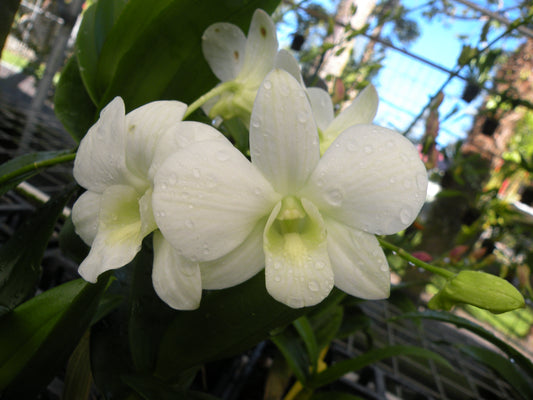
point(55, 60)
point(522, 29)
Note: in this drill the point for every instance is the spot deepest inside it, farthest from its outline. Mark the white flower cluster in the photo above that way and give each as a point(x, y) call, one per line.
point(305, 208)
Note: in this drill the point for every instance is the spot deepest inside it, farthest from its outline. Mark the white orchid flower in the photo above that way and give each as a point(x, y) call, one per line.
point(316, 216)
point(362, 111)
point(116, 162)
point(240, 62)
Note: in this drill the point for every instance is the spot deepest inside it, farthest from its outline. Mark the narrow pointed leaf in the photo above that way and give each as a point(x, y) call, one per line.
point(520, 359)
point(305, 330)
point(38, 336)
point(24, 167)
point(334, 372)
point(20, 256)
point(72, 104)
point(228, 321)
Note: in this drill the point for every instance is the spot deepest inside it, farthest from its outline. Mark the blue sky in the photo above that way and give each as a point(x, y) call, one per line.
point(405, 85)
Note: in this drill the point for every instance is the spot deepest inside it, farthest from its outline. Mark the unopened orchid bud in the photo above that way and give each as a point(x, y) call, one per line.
point(479, 289)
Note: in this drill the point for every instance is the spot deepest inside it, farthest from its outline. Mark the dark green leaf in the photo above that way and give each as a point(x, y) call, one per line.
point(78, 378)
point(292, 348)
point(71, 244)
point(334, 372)
point(24, 167)
point(334, 396)
point(149, 315)
point(20, 256)
point(354, 319)
point(38, 336)
point(326, 324)
point(305, 330)
point(98, 20)
point(228, 322)
point(148, 56)
point(504, 367)
point(520, 359)
point(72, 104)
point(151, 388)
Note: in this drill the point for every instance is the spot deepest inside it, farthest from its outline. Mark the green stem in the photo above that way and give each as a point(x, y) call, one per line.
point(216, 91)
point(36, 166)
point(419, 263)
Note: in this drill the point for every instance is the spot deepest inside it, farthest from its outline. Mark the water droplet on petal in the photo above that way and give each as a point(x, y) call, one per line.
point(384, 267)
point(164, 186)
point(256, 123)
point(313, 286)
point(351, 147)
point(277, 265)
point(334, 197)
point(407, 183)
point(302, 117)
point(392, 180)
point(267, 85)
point(421, 181)
point(368, 149)
point(320, 265)
point(222, 156)
point(196, 172)
point(277, 278)
point(189, 224)
point(405, 216)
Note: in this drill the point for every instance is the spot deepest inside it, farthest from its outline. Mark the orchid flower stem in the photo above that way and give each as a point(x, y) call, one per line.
point(216, 91)
point(419, 263)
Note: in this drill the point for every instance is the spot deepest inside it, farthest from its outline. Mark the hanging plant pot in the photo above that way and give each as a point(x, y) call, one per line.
point(297, 42)
point(470, 91)
point(489, 126)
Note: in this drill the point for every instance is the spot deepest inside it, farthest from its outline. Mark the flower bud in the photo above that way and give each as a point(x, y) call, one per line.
point(479, 289)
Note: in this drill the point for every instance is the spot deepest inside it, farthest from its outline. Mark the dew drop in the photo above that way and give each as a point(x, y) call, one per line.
point(405, 216)
point(196, 172)
point(351, 147)
point(313, 286)
point(164, 186)
point(277, 265)
point(368, 149)
point(392, 180)
point(302, 117)
point(320, 265)
point(222, 156)
point(406, 183)
point(384, 267)
point(334, 197)
point(277, 278)
point(256, 123)
point(267, 85)
point(189, 224)
point(421, 181)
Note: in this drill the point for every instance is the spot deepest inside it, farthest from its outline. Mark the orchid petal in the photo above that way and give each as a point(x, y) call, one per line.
point(286, 61)
point(362, 111)
point(100, 161)
point(179, 136)
point(283, 136)
point(238, 265)
point(261, 48)
point(119, 233)
point(371, 178)
point(207, 199)
point(359, 264)
point(176, 280)
point(298, 271)
point(224, 46)
point(85, 216)
point(144, 126)
point(322, 107)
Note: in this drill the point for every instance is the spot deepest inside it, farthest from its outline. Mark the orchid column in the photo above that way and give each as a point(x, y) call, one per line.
point(318, 214)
